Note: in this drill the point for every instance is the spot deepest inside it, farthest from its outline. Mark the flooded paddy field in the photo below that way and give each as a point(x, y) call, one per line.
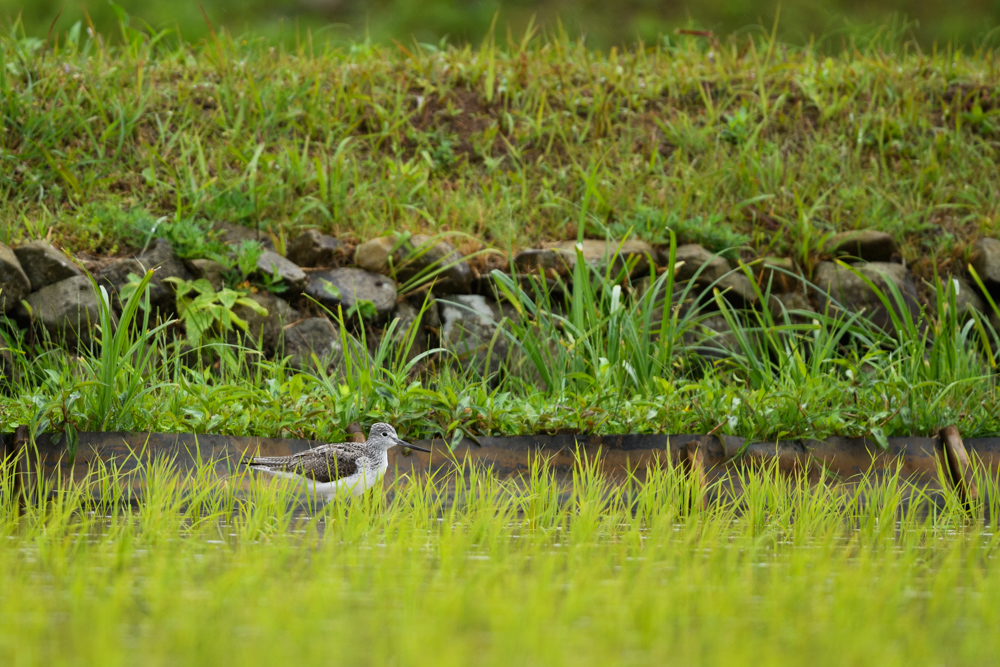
point(472, 569)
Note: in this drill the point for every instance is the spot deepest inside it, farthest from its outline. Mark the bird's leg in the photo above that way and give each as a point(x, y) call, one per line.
point(373, 498)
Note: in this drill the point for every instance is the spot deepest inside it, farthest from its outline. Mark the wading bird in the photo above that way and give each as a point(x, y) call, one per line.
point(338, 467)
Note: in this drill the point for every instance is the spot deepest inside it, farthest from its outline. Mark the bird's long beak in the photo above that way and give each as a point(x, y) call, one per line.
point(401, 443)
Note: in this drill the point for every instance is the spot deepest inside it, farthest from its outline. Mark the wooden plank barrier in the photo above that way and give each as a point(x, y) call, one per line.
point(934, 464)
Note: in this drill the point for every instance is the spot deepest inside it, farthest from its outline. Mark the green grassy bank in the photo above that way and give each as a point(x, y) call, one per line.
point(753, 146)
point(731, 143)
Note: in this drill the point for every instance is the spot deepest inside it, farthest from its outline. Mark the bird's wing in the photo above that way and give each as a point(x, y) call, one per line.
point(326, 463)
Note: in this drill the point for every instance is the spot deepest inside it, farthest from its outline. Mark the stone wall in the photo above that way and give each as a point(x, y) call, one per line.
point(402, 278)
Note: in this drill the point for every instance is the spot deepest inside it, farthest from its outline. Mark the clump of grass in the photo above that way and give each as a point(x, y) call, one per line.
point(190, 239)
point(713, 232)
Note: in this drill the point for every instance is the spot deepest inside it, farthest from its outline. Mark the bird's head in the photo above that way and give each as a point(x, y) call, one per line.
point(385, 437)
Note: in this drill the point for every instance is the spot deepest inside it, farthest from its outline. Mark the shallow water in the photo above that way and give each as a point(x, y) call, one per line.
point(485, 571)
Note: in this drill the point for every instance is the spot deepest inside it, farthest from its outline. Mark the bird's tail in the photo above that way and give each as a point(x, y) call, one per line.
point(261, 461)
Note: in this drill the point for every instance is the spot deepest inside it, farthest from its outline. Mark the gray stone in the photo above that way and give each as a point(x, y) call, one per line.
point(681, 300)
point(418, 255)
point(604, 254)
point(313, 336)
point(691, 257)
point(788, 308)
point(967, 298)
point(712, 338)
point(44, 265)
point(67, 309)
point(642, 287)
point(347, 286)
point(165, 264)
point(489, 260)
point(374, 255)
point(312, 249)
point(780, 304)
point(715, 272)
point(234, 235)
point(265, 329)
point(159, 254)
point(407, 316)
point(115, 275)
point(469, 330)
point(985, 260)
point(422, 256)
point(432, 315)
point(737, 289)
point(210, 270)
point(552, 284)
point(865, 245)
point(14, 282)
point(841, 285)
point(161, 258)
point(431, 319)
point(275, 265)
point(552, 263)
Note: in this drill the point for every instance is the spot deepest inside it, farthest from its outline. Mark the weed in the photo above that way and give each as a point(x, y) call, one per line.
point(207, 314)
point(656, 226)
point(190, 239)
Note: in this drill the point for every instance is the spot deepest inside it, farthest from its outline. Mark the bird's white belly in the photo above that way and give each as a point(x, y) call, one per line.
point(359, 482)
point(355, 484)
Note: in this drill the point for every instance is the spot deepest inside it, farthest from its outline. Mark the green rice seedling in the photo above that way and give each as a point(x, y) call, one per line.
point(662, 494)
point(107, 481)
point(540, 495)
point(817, 510)
point(209, 495)
point(54, 505)
point(162, 493)
point(766, 495)
point(425, 495)
point(482, 502)
point(596, 508)
point(985, 505)
point(10, 495)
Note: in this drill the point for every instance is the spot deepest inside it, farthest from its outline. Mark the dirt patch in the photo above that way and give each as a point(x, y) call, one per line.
point(459, 114)
point(968, 95)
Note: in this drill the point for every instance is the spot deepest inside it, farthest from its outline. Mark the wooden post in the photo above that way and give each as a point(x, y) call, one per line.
point(958, 465)
point(354, 433)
